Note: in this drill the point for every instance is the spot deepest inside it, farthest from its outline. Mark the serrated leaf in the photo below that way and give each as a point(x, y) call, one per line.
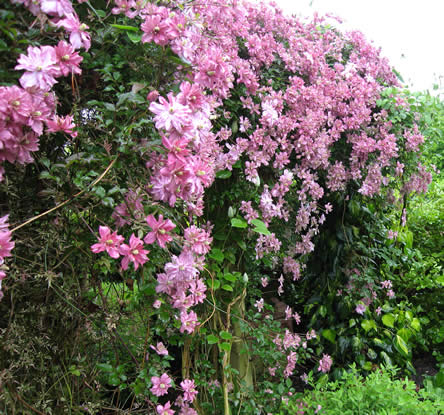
point(238, 223)
point(226, 335)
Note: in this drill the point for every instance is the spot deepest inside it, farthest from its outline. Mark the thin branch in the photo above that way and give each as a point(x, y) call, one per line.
point(68, 200)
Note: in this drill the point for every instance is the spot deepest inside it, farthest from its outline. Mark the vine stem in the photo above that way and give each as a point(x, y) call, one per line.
point(68, 200)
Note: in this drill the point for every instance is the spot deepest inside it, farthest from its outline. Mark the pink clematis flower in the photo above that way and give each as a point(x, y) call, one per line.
point(160, 385)
point(62, 124)
point(6, 245)
point(160, 349)
point(67, 58)
point(160, 230)
point(189, 389)
point(325, 363)
point(133, 252)
point(170, 114)
point(41, 68)
point(164, 409)
point(78, 37)
point(189, 321)
point(155, 29)
point(109, 242)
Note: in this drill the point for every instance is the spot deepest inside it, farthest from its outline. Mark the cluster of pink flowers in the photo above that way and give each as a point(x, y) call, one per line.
point(26, 109)
point(160, 386)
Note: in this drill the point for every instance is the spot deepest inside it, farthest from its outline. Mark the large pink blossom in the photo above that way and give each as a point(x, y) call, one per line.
point(79, 37)
point(41, 67)
point(160, 385)
point(133, 252)
point(189, 389)
point(170, 113)
point(109, 241)
point(160, 230)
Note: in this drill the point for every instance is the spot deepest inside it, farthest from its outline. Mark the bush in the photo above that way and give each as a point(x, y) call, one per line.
point(380, 393)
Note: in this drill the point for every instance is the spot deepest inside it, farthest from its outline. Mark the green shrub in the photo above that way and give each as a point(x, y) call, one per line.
point(378, 394)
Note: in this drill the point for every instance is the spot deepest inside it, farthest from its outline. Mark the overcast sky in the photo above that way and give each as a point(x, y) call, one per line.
point(410, 32)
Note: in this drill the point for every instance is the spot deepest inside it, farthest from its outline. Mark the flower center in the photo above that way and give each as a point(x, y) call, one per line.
point(65, 58)
point(162, 231)
point(135, 252)
point(109, 242)
point(15, 103)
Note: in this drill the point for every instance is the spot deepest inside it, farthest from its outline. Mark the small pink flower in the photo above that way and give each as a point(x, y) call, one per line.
point(264, 281)
point(78, 37)
point(157, 304)
point(360, 309)
point(6, 245)
point(109, 242)
point(378, 311)
point(325, 363)
point(189, 389)
point(160, 385)
point(386, 284)
point(160, 349)
point(189, 321)
point(165, 409)
point(133, 252)
point(390, 293)
point(62, 124)
point(153, 95)
point(259, 304)
point(160, 230)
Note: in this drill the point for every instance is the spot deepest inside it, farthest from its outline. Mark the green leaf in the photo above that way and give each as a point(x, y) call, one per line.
point(415, 324)
point(101, 13)
point(134, 37)
point(229, 277)
point(225, 346)
point(367, 325)
point(238, 223)
point(226, 335)
point(223, 174)
point(405, 334)
point(401, 345)
point(124, 27)
point(260, 227)
point(105, 367)
point(330, 335)
point(217, 255)
point(388, 320)
point(227, 287)
point(386, 358)
point(212, 339)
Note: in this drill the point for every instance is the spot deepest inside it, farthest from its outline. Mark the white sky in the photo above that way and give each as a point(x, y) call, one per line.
point(410, 32)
